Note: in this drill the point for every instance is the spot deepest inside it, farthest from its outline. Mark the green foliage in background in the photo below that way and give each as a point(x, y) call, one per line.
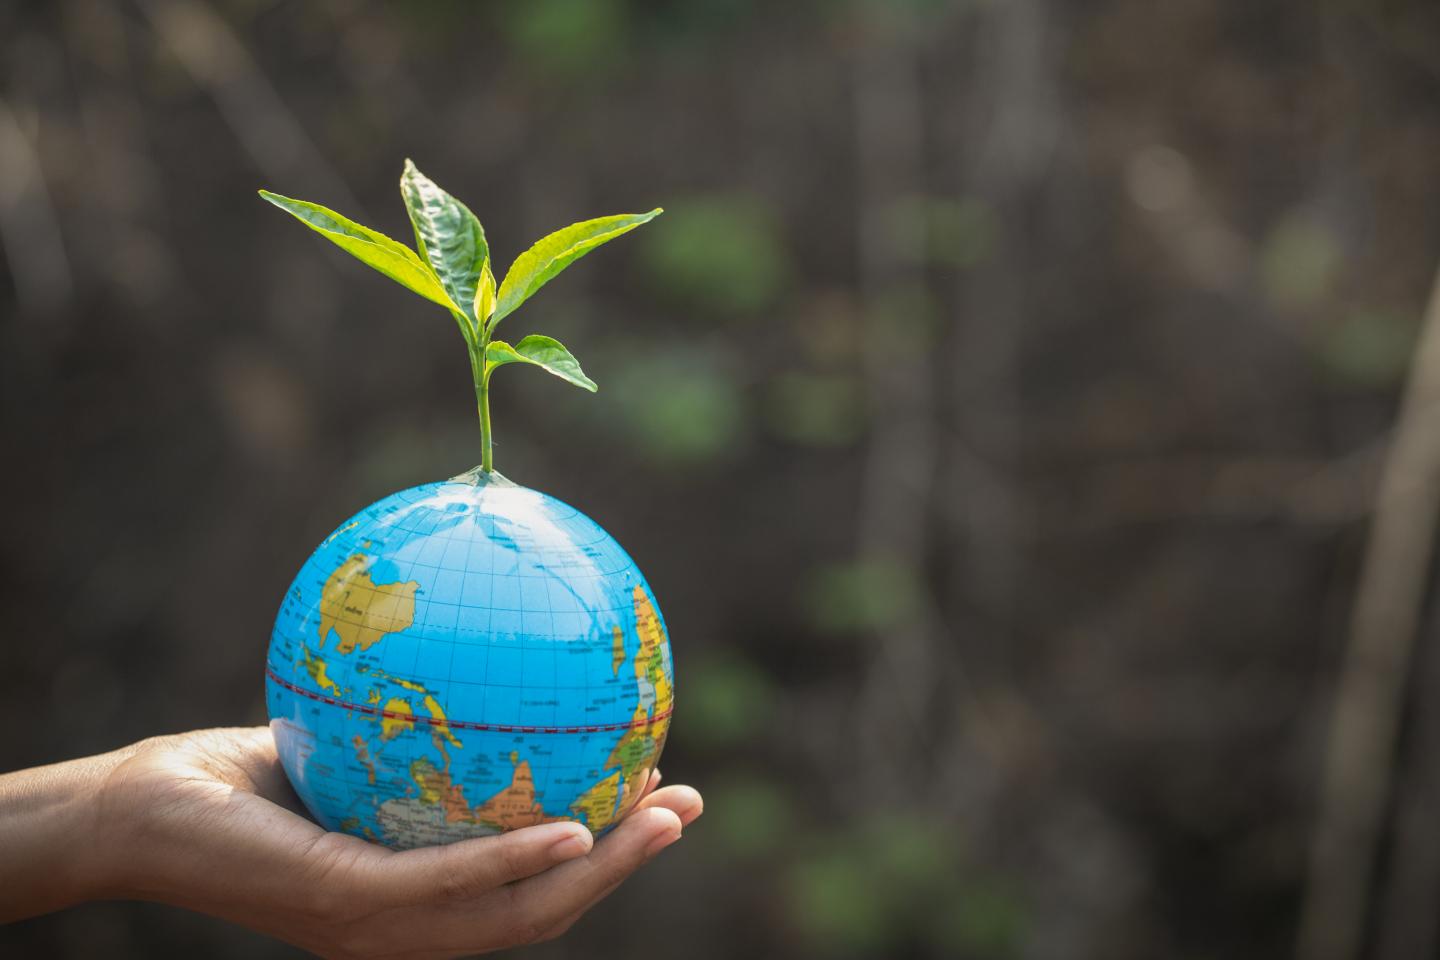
point(731, 701)
point(452, 269)
point(751, 816)
point(720, 255)
point(871, 593)
point(1299, 261)
point(891, 882)
point(911, 319)
point(1369, 348)
point(567, 39)
point(702, 417)
point(820, 410)
point(950, 232)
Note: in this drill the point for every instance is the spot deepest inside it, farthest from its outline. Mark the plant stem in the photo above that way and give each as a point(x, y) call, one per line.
point(482, 395)
point(480, 374)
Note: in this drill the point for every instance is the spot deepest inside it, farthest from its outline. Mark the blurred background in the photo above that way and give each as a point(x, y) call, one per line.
point(1020, 412)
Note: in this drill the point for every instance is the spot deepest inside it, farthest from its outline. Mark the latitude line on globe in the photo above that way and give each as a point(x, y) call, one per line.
point(465, 724)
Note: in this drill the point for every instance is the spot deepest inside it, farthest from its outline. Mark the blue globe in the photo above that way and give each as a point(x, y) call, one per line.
point(468, 657)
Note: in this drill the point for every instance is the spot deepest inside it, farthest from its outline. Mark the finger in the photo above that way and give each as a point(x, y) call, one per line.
point(651, 783)
point(685, 802)
point(469, 869)
point(542, 902)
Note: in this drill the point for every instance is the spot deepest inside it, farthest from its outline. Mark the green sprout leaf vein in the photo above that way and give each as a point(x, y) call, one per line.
point(452, 269)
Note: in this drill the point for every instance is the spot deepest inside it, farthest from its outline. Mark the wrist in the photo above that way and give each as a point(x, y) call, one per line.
point(50, 826)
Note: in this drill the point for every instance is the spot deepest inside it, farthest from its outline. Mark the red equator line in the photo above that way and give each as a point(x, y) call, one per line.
point(463, 724)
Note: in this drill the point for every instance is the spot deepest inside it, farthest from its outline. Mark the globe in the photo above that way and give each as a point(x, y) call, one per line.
point(464, 658)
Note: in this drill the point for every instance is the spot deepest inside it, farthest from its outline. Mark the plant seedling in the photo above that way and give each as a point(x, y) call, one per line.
point(452, 269)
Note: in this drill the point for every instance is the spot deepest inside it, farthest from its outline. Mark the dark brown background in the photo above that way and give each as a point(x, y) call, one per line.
point(996, 411)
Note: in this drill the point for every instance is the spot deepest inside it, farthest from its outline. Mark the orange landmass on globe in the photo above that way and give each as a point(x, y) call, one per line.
point(436, 787)
point(362, 753)
point(360, 611)
point(512, 807)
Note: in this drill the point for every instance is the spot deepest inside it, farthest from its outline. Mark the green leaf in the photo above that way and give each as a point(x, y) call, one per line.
point(448, 236)
point(547, 353)
point(538, 266)
point(485, 294)
point(394, 259)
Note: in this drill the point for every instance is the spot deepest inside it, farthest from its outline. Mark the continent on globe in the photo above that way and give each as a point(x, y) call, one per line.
point(318, 670)
point(637, 750)
point(361, 611)
point(497, 661)
point(439, 726)
point(597, 805)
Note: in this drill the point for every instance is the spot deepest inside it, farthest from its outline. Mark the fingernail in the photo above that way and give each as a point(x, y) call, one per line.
point(570, 846)
point(660, 843)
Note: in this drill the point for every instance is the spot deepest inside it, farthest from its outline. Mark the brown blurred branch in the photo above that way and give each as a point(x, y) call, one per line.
point(1011, 149)
point(262, 122)
point(1361, 747)
point(900, 463)
point(1408, 923)
point(29, 229)
point(1010, 131)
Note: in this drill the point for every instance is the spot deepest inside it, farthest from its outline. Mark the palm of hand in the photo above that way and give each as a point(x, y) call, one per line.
point(214, 825)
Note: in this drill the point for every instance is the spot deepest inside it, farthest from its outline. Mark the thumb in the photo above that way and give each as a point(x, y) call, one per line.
point(469, 869)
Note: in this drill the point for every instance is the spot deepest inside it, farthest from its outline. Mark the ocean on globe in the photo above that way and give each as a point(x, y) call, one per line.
point(468, 657)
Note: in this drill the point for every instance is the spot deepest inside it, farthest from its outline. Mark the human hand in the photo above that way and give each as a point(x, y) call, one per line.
point(208, 821)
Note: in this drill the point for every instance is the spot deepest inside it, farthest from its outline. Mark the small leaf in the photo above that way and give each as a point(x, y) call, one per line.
point(547, 353)
point(448, 235)
point(485, 294)
point(537, 266)
point(394, 259)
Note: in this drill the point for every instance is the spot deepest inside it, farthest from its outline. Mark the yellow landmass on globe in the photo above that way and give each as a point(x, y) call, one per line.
point(637, 749)
point(597, 805)
point(617, 657)
point(403, 719)
point(650, 660)
point(440, 727)
point(361, 611)
point(345, 529)
point(316, 668)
